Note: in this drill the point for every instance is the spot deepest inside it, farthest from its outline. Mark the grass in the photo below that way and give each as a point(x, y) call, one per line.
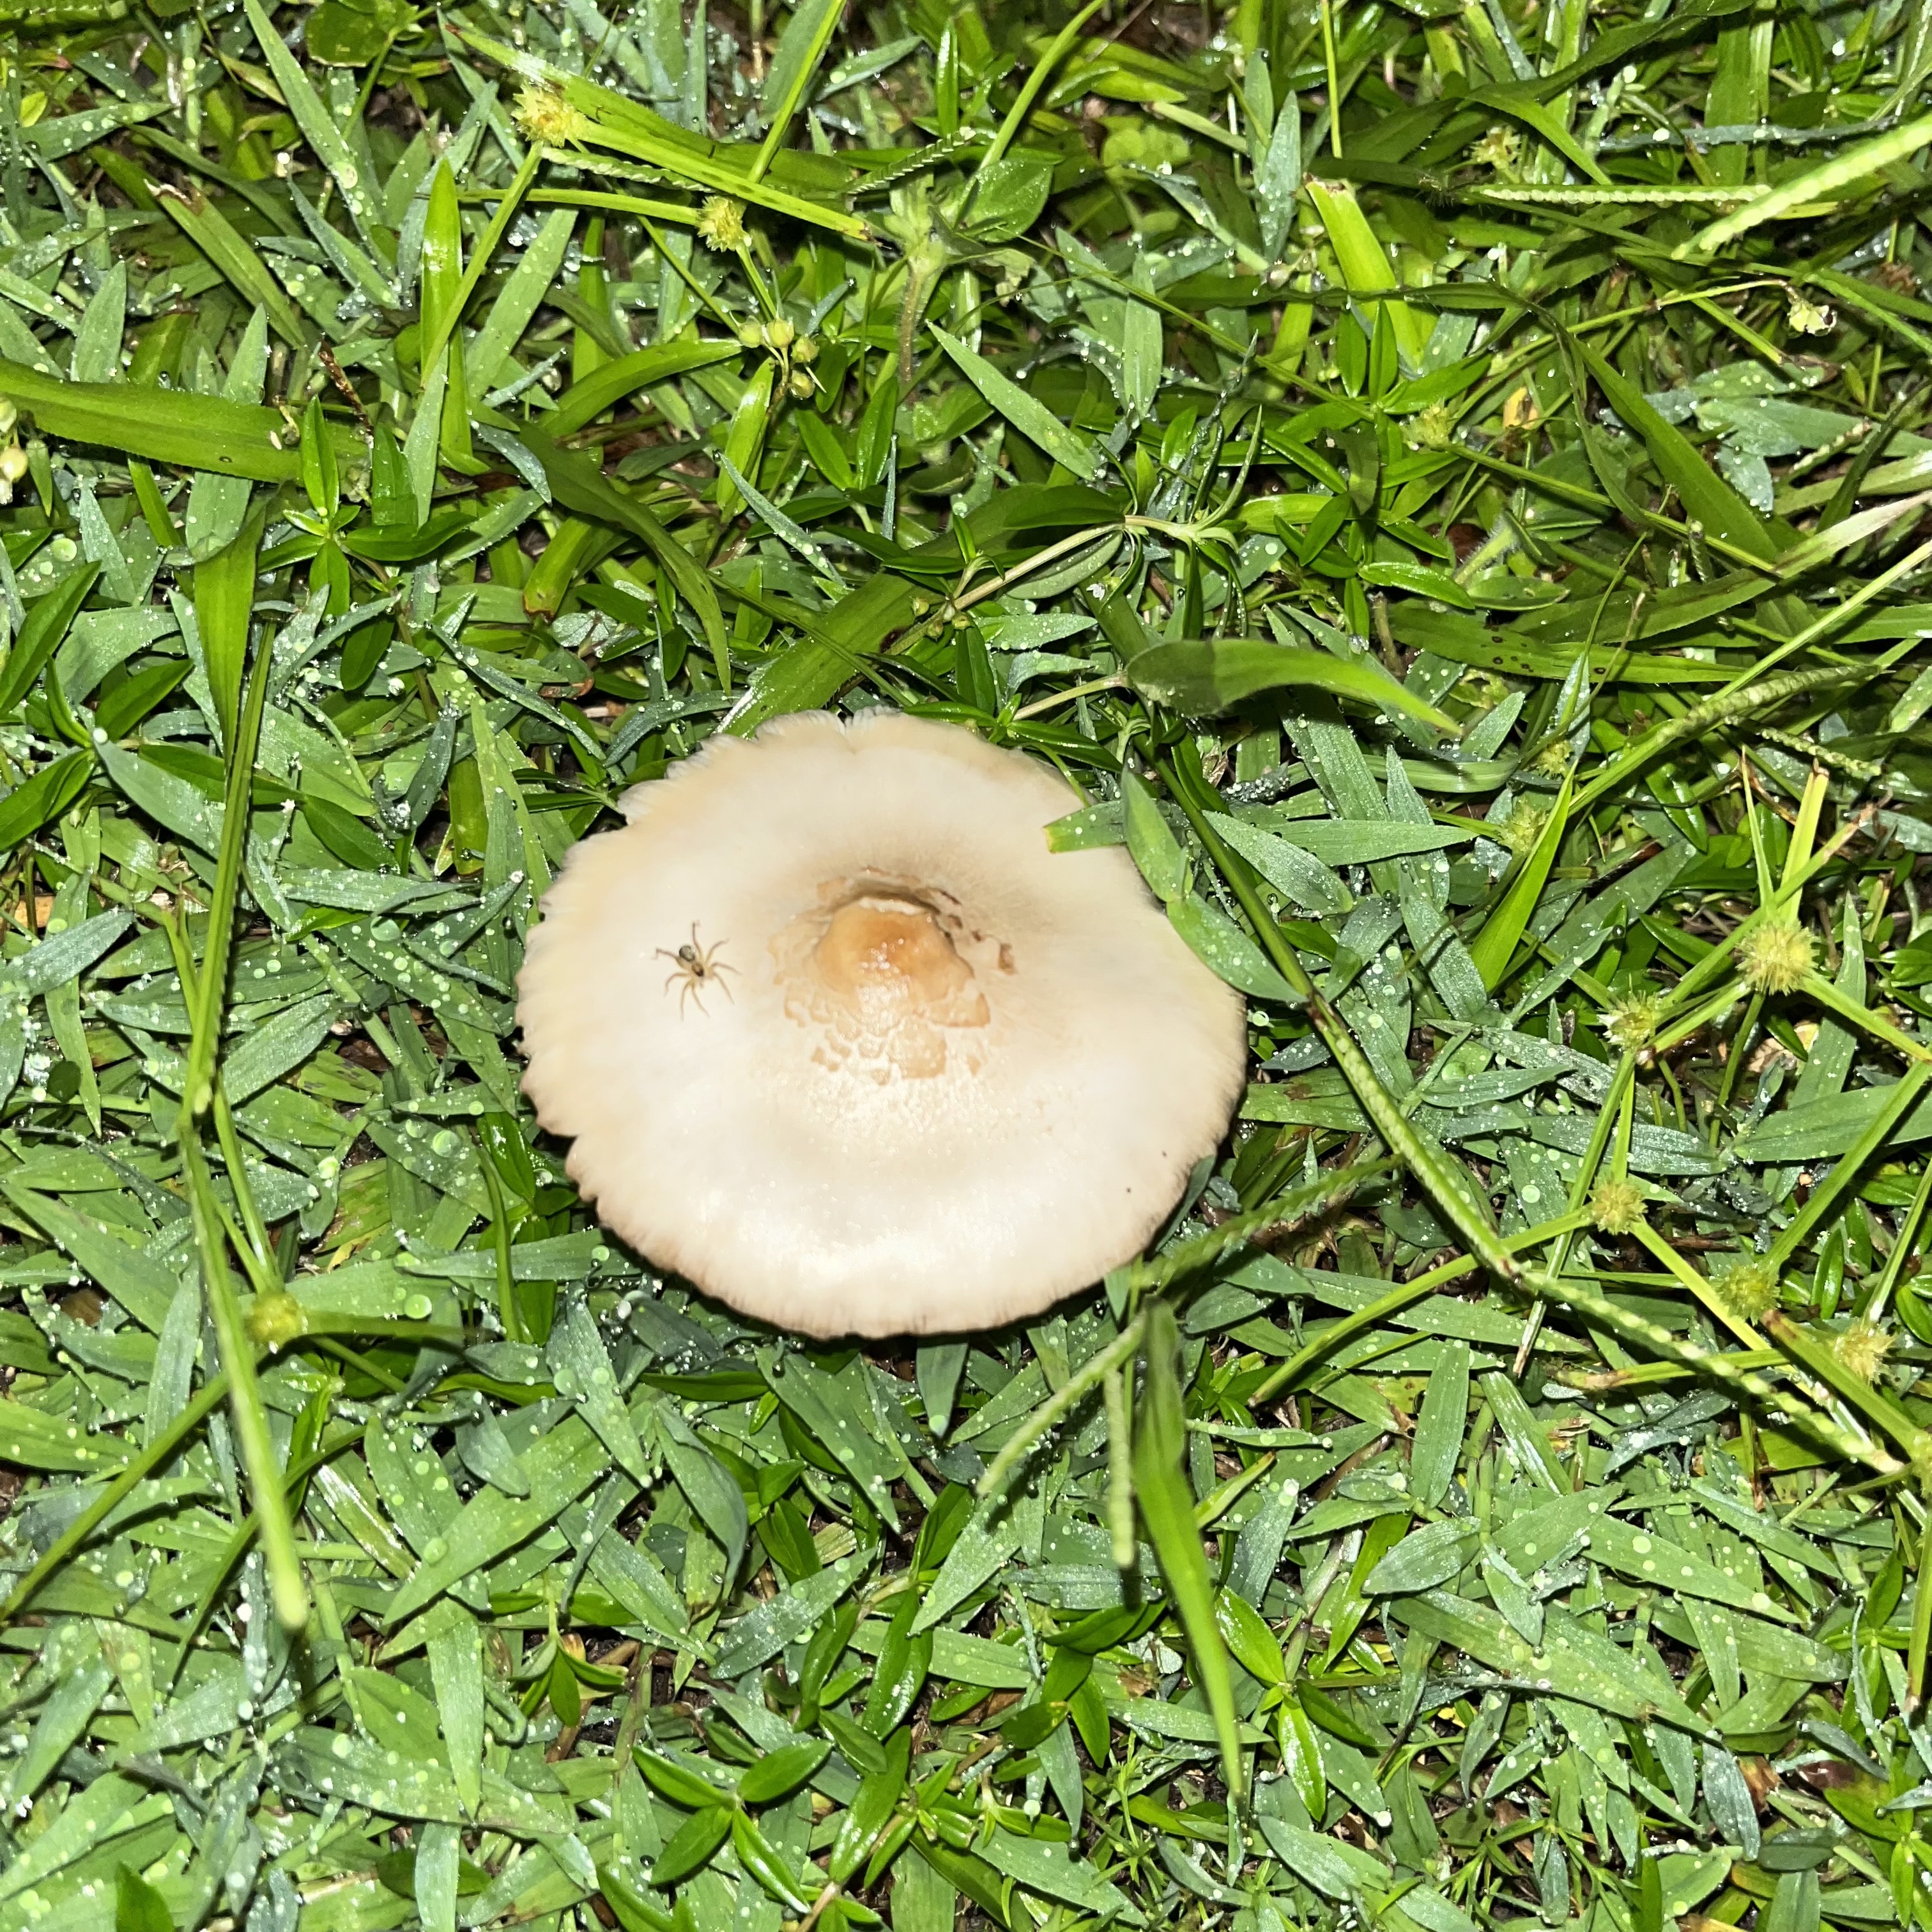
point(1447, 487)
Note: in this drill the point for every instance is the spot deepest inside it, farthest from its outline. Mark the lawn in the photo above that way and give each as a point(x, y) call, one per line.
point(1445, 487)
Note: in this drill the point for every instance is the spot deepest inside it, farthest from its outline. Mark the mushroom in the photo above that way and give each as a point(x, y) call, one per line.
point(838, 1038)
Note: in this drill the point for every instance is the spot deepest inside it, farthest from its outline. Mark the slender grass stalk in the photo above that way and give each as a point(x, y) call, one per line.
point(1712, 1303)
point(1090, 1375)
point(1118, 1397)
point(1810, 1353)
point(198, 1096)
point(1902, 1248)
point(1627, 1326)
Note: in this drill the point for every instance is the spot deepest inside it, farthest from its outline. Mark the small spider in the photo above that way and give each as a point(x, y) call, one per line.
point(696, 967)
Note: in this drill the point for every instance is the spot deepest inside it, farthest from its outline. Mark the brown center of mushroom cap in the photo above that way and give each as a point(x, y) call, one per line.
point(891, 953)
point(879, 976)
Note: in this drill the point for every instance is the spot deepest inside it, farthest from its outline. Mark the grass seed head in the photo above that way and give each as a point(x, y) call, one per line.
point(721, 224)
point(1616, 1206)
point(1522, 828)
point(545, 115)
point(1862, 1347)
point(1749, 1289)
point(275, 1320)
point(1631, 1022)
point(1775, 957)
point(1432, 428)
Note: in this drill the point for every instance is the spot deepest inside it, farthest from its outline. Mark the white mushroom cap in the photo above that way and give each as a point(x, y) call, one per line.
point(916, 1074)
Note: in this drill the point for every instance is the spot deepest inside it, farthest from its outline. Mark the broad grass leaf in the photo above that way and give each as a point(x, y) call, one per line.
point(1425, 1558)
point(211, 231)
point(1043, 1866)
point(763, 1631)
point(560, 1467)
point(516, 301)
point(138, 1907)
point(49, 620)
point(1202, 677)
point(692, 1845)
point(781, 1772)
point(1254, 1646)
point(1167, 1510)
point(590, 396)
point(1024, 410)
point(758, 1856)
point(1008, 197)
point(1437, 1444)
point(1155, 849)
point(938, 1366)
point(985, 1544)
point(1292, 870)
point(438, 1861)
point(1332, 1866)
point(1733, 1809)
point(580, 1366)
point(1301, 1757)
point(1364, 261)
point(144, 1285)
point(319, 128)
point(1705, 496)
point(1495, 946)
point(580, 485)
point(43, 798)
point(164, 425)
point(224, 602)
point(1278, 177)
point(96, 343)
point(886, 1766)
point(923, 1899)
point(1572, 1662)
point(1796, 1904)
point(1225, 949)
point(47, 1444)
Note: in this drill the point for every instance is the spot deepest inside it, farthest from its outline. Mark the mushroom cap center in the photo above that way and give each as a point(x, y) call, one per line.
point(880, 976)
point(887, 955)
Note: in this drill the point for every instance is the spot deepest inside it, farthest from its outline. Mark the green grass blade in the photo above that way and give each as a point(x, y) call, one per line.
point(237, 1349)
point(1851, 169)
point(1167, 1508)
point(224, 602)
point(1024, 411)
point(1494, 947)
